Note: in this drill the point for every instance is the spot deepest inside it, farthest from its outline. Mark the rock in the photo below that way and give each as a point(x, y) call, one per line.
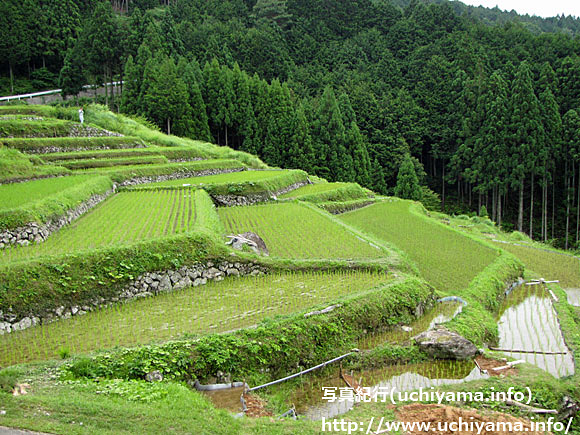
point(23, 324)
point(223, 378)
point(569, 409)
point(165, 283)
point(406, 328)
point(5, 327)
point(154, 376)
point(254, 241)
point(232, 271)
point(444, 344)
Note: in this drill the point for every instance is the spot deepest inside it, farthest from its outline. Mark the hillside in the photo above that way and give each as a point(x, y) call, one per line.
point(114, 269)
point(346, 91)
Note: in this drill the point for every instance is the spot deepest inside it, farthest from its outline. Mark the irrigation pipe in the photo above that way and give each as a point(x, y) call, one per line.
point(452, 298)
point(338, 358)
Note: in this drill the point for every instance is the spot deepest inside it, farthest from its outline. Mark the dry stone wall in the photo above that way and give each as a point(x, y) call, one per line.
point(148, 284)
point(177, 176)
point(254, 198)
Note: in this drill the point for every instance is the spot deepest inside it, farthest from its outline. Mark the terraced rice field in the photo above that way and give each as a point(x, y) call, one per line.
point(214, 307)
point(125, 218)
point(311, 189)
point(235, 177)
point(17, 194)
point(295, 231)
point(445, 258)
point(550, 265)
point(528, 322)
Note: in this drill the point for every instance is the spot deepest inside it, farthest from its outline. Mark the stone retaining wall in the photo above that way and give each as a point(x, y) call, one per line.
point(56, 149)
point(37, 233)
point(234, 200)
point(176, 176)
point(148, 284)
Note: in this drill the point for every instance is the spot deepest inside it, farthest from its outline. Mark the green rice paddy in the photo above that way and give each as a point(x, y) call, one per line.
point(122, 219)
point(17, 194)
point(293, 230)
point(445, 258)
point(215, 307)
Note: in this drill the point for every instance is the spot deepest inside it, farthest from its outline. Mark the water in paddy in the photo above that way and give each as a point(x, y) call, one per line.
point(440, 313)
point(226, 399)
point(309, 401)
point(573, 296)
point(528, 321)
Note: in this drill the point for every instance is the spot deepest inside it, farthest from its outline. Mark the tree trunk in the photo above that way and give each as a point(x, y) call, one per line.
point(11, 78)
point(553, 203)
point(168, 126)
point(443, 186)
point(532, 207)
point(479, 204)
point(521, 207)
point(493, 204)
point(106, 87)
point(499, 208)
point(578, 208)
point(226, 135)
point(567, 204)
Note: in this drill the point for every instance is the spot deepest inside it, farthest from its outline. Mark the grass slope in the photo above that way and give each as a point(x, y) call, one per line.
point(292, 230)
point(18, 194)
point(445, 258)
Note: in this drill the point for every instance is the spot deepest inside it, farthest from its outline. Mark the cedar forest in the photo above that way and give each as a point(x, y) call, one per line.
point(468, 109)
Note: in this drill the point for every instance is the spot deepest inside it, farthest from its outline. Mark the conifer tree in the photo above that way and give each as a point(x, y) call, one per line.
point(378, 178)
point(408, 186)
point(525, 128)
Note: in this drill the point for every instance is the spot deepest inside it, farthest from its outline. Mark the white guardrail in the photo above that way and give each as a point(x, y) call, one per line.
point(51, 92)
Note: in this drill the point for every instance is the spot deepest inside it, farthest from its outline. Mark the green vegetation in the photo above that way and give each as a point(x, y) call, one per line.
point(237, 183)
point(254, 353)
point(128, 172)
point(110, 162)
point(44, 128)
point(15, 166)
point(550, 265)
point(212, 308)
point(19, 194)
point(289, 231)
point(343, 207)
point(54, 205)
point(36, 145)
point(231, 178)
point(447, 259)
point(138, 216)
point(322, 192)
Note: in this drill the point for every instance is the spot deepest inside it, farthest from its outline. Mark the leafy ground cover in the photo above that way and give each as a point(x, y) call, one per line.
point(127, 217)
point(292, 230)
point(26, 128)
point(215, 307)
point(445, 258)
point(17, 194)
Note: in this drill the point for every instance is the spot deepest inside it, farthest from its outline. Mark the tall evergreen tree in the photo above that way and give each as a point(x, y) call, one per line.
point(408, 186)
point(525, 129)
